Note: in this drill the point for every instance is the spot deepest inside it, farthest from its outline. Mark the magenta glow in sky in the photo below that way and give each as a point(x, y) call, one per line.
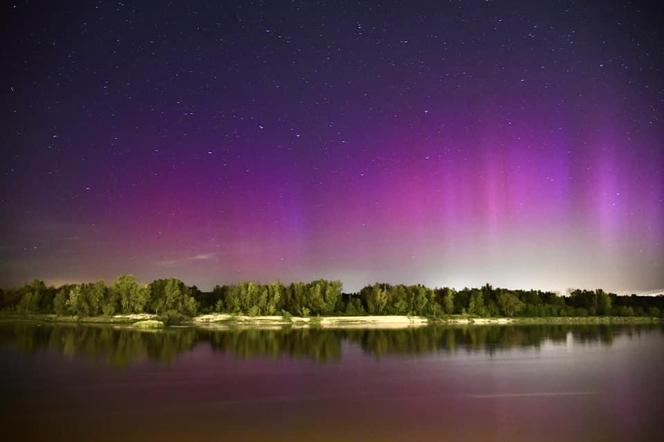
point(505, 142)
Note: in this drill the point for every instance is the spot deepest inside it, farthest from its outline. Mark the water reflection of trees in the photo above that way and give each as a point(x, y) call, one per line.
point(116, 346)
point(122, 346)
point(317, 344)
point(487, 339)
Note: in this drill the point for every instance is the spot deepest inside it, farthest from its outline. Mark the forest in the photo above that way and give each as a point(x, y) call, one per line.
point(172, 298)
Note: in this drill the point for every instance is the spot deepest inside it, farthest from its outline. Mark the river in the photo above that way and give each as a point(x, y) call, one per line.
point(472, 383)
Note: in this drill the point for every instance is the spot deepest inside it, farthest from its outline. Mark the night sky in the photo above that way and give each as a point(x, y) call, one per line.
point(448, 143)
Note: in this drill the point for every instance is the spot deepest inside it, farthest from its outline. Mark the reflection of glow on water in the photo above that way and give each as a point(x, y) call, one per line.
point(533, 394)
point(549, 344)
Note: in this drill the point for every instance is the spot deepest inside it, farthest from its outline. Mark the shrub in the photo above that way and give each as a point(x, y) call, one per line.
point(172, 317)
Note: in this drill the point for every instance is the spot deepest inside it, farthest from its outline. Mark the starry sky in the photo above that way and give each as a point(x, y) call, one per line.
point(443, 142)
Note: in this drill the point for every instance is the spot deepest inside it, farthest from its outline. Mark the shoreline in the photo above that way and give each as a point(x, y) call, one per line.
point(228, 321)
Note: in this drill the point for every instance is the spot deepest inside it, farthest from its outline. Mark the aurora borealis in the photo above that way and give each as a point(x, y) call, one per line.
point(447, 143)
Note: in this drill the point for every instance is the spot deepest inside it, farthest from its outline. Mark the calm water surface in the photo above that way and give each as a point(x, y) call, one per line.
point(505, 383)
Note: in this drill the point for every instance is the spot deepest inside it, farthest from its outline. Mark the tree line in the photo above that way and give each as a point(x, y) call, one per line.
point(172, 297)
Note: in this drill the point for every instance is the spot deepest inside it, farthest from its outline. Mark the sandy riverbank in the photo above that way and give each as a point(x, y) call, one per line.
point(225, 321)
point(397, 321)
point(392, 321)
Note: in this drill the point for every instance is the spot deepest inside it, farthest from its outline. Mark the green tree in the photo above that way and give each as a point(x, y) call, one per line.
point(398, 300)
point(377, 299)
point(604, 303)
point(93, 294)
point(448, 301)
point(476, 303)
point(322, 296)
point(510, 304)
point(419, 300)
point(75, 302)
point(60, 302)
point(297, 299)
point(171, 295)
point(110, 303)
point(35, 298)
point(132, 296)
point(275, 294)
